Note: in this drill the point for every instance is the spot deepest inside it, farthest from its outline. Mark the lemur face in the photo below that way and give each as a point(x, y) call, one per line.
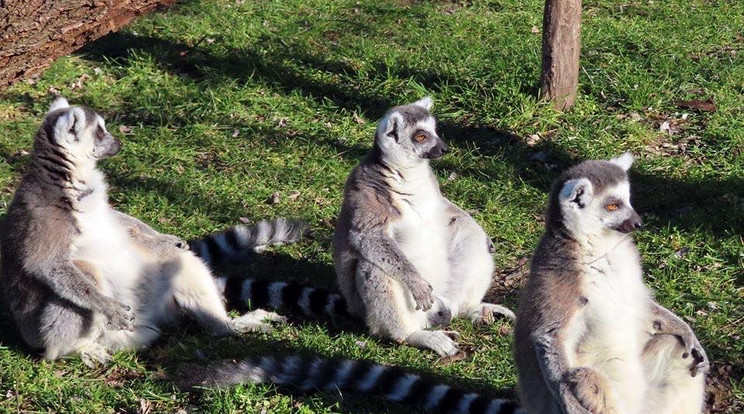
point(80, 132)
point(408, 133)
point(599, 201)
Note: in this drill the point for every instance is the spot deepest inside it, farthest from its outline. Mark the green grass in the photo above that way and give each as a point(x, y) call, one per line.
point(229, 102)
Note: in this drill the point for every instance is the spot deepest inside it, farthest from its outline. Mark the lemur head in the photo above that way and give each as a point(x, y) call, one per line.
point(407, 134)
point(76, 132)
point(593, 199)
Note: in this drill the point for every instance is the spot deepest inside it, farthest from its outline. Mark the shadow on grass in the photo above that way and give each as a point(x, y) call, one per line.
point(668, 200)
point(251, 346)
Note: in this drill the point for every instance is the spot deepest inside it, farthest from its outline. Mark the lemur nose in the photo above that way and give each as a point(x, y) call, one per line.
point(637, 225)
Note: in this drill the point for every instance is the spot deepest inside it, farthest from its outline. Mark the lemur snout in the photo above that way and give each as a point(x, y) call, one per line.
point(440, 149)
point(631, 224)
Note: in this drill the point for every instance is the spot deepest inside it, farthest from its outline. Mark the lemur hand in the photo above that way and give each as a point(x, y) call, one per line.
point(175, 241)
point(700, 361)
point(422, 292)
point(120, 316)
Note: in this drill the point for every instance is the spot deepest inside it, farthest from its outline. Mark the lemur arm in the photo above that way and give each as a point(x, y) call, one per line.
point(381, 251)
point(134, 224)
point(71, 284)
point(666, 322)
point(552, 361)
point(147, 236)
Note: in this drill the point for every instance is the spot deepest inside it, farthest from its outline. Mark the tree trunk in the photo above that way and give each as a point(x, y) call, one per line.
point(561, 46)
point(33, 33)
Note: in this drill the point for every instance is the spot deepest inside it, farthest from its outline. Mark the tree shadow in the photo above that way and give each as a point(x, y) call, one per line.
point(659, 196)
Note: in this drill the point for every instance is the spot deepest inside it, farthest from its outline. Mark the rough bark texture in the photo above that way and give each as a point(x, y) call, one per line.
point(33, 33)
point(561, 45)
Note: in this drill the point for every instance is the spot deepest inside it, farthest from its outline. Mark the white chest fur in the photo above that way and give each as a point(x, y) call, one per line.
point(609, 332)
point(104, 242)
point(421, 232)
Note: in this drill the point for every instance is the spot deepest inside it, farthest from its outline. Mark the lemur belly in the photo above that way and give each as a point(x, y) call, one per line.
point(608, 334)
point(105, 243)
point(422, 237)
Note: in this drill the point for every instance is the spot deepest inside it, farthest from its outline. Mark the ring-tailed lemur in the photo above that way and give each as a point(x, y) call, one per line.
point(406, 258)
point(333, 375)
point(78, 276)
point(589, 336)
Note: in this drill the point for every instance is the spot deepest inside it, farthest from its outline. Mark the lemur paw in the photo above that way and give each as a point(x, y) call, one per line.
point(174, 241)
point(441, 342)
point(94, 354)
point(700, 362)
point(119, 316)
point(486, 313)
point(422, 293)
point(256, 321)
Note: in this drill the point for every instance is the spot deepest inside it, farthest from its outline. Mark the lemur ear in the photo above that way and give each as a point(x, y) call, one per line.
point(390, 127)
point(69, 125)
point(577, 193)
point(59, 103)
point(624, 161)
point(425, 102)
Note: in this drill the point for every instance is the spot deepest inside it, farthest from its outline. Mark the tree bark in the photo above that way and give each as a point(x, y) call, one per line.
point(33, 33)
point(561, 46)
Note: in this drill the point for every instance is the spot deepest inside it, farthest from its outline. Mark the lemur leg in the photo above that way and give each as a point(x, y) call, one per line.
point(195, 291)
point(471, 269)
point(346, 280)
point(390, 312)
point(66, 330)
point(671, 387)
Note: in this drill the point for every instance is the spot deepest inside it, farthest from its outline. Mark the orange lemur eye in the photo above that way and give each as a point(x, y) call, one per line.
point(611, 207)
point(420, 137)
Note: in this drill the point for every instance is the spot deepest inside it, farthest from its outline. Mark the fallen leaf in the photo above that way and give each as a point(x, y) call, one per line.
point(125, 129)
point(532, 140)
point(447, 360)
point(145, 406)
point(294, 196)
point(535, 29)
point(703, 106)
point(273, 199)
point(235, 133)
point(244, 220)
point(357, 119)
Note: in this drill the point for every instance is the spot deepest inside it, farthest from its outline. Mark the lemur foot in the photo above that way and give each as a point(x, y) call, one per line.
point(441, 342)
point(256, 321)
point(94, 354)
point(485, 313)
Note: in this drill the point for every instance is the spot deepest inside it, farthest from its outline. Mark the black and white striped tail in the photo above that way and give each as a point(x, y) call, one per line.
point(310, 373)
point(242, 294)
point(237, 240)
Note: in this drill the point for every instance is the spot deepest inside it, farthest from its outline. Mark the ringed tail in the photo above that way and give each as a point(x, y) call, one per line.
point(314, 373)
point(242, 294)
point(218, 247)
